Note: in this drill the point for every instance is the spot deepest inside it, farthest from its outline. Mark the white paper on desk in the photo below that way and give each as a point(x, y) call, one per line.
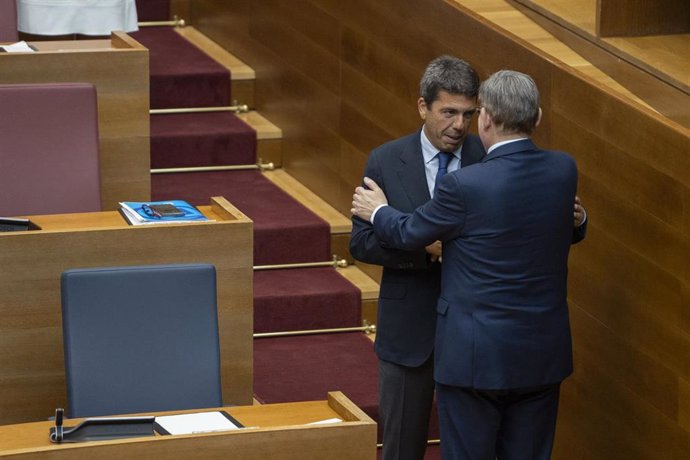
point(326, 422)
point(201, 422)
point(19, 47)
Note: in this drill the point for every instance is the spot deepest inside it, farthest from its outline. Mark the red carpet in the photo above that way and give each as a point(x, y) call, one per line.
point(153, 10)
point(433, 452)
point(284, 230)
point(304, 298)
point(181, 74)
point(201, 139)
point(306, 368)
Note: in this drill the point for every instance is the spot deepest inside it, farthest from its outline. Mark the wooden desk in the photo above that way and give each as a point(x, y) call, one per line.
point(32, 381)
point(281, 433)
point(119, 68)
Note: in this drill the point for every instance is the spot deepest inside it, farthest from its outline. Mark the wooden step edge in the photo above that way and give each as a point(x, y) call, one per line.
point(238, 69)
point(264, 129)
point(338, 222)
point(369, 287)
point(513, 21)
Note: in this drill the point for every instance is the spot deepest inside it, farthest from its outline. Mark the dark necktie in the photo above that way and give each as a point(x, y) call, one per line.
point(443, 160)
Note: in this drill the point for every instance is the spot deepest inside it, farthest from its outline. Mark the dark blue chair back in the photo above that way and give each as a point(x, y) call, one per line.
point(140, 339)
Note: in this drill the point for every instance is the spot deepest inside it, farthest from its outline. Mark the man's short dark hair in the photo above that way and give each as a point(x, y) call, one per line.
point(450, 74)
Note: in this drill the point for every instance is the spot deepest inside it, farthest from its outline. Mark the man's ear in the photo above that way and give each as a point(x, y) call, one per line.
point(487, 121)
point(421, 106)
point(538, 118)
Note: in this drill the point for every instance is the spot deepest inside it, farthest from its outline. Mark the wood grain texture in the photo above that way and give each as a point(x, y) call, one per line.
point(640, 17)
point(32, 381)
point(181, 9)
point(652, 70)
point(119, 70)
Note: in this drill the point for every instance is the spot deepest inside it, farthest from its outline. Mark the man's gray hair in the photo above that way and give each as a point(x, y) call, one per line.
point(450, 74)
point(512, 100)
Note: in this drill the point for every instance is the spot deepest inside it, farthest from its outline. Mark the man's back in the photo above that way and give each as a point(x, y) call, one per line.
point(503, 315)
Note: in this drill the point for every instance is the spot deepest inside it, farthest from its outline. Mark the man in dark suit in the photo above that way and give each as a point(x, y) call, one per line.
point(503, 336)
point(406, 321)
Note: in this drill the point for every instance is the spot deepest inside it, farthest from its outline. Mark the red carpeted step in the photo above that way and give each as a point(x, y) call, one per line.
point(433, 452)
point(201, 139)
point(181, 74)
point(305, 368)
point(304, 299)
point(284, 230)
point(153, 10)
point(302, 368)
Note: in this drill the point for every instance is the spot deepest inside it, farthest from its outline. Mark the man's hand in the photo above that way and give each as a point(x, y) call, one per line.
point(578, 212)
point(365, 201)
point(434, 250)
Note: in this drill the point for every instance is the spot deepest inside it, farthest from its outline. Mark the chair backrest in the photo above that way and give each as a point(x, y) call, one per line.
point(140, 339)
point(8, 21)
point(49, 149)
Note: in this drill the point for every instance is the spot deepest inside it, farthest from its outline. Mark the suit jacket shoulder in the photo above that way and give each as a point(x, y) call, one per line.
point(396, 146)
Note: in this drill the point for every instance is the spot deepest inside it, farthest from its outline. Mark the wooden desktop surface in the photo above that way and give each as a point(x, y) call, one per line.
point(276, 431)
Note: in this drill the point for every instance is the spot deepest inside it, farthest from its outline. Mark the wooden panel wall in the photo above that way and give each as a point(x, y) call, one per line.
point(631, 18)
point(180, 8)
point(341, 77)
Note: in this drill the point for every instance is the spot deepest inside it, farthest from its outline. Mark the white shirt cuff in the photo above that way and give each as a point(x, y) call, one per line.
point(371, 219)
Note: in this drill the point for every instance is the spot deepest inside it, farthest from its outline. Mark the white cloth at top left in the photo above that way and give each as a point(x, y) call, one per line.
point(87, 17)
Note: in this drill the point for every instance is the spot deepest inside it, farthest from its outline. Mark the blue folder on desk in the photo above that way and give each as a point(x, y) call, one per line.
point(160, 212)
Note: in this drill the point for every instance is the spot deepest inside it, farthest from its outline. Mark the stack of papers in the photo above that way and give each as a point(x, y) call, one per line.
point(19, 47)
point(201, 422)
point(161, 212)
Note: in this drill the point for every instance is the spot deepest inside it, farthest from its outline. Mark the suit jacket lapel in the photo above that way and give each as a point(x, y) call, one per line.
point(411, 173)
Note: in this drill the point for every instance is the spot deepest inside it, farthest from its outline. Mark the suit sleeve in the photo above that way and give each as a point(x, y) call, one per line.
point(442, 218)
point(366, 247)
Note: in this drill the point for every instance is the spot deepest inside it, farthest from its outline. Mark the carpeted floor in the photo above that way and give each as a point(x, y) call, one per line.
point(304, 298)
point(181, 74)
point(284, 230)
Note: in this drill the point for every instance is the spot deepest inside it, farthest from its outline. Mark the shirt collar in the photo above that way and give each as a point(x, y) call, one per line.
point(499, 144)
point(429, 151)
